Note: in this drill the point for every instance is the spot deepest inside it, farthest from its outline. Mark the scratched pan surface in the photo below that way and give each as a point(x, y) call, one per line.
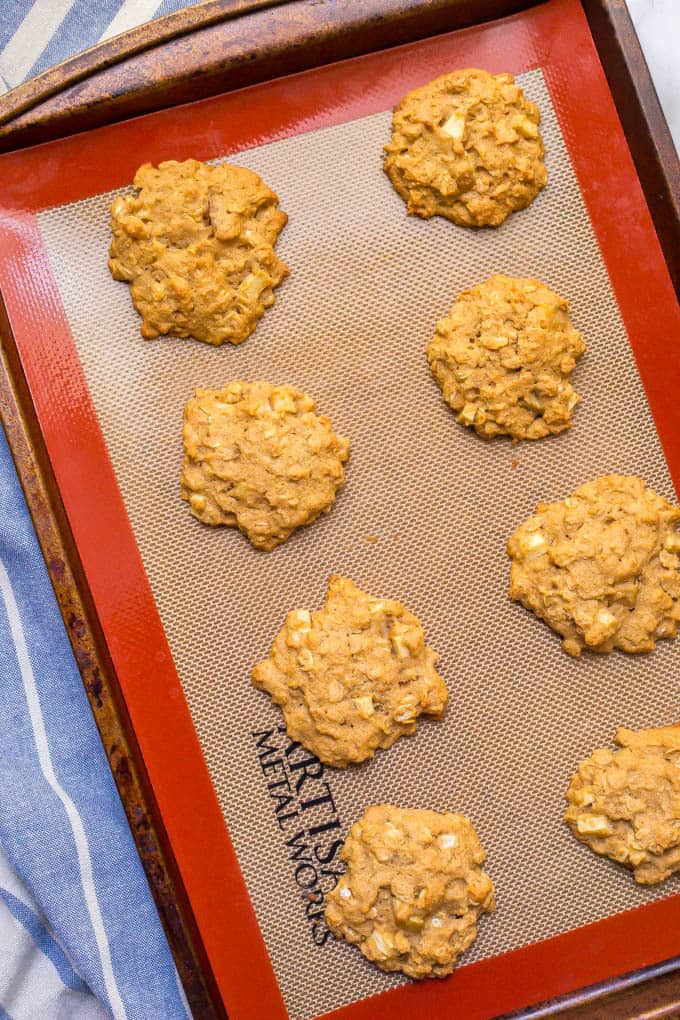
point(424, 517)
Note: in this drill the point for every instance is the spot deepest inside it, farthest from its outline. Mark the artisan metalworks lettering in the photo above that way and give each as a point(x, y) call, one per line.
point(307, 817)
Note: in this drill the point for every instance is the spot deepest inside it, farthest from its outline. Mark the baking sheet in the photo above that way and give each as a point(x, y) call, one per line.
point(424, 517)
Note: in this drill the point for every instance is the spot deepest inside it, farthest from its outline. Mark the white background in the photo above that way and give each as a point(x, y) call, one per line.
point(657, 23)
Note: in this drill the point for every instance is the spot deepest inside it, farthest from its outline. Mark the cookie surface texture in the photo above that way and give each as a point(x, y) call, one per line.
point(257, 457)
point(196, 244)
point(601, 567)
point(353, 676)
point(625, 804)
point(468, 147)
point(413, 890)
point(503, 357)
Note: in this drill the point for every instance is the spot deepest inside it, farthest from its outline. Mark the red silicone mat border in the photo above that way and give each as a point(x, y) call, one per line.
point(554, 36)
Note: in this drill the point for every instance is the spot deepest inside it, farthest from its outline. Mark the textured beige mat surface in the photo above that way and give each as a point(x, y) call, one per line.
point(424, 517)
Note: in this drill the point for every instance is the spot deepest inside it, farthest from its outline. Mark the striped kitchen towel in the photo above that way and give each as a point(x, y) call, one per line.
point(80, 938)
point(36, 34)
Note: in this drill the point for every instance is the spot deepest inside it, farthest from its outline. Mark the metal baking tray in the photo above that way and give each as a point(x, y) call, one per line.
point(75, 376)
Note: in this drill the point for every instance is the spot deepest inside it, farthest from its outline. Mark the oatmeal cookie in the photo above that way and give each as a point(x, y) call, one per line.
point(503, 357)
point(467, 146)
point(196, 244)
point(413, 890)
point(601, 567)
point(258, 458)
point(353, 676)
point(625, 804)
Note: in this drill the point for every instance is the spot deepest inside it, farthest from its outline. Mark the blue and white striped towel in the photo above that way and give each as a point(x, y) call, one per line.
point(79, 933)
point(36, 34)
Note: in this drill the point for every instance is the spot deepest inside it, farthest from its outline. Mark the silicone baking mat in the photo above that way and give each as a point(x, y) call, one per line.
point(424, 515)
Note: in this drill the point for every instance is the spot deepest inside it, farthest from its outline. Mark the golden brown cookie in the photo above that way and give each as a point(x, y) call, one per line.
point(601, 567)
point(353, 676)
point(196, 244)
point(258, 458)
point(467, 146)
point(503, 357)
point(625, 804)
point(413, 890)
